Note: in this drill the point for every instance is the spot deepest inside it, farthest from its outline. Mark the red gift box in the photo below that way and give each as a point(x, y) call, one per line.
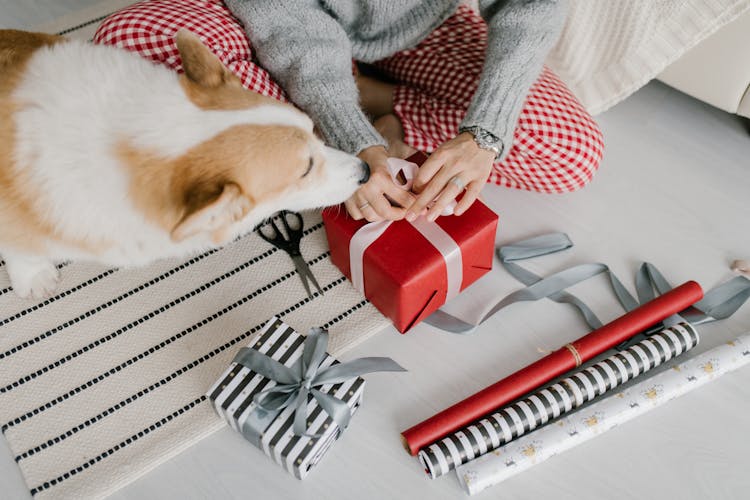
point(405, 276)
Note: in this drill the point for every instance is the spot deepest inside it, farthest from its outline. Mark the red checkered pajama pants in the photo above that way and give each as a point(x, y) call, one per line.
point(556, 147)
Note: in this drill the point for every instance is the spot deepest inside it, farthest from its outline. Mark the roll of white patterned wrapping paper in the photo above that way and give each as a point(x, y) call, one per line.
point(601, 416)
point(517, 419)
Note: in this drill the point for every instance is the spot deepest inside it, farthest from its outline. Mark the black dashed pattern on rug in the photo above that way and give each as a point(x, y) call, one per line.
point(107, 377)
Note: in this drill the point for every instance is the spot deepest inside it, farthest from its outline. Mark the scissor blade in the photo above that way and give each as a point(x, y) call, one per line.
point(305, 274)
point(314, 281)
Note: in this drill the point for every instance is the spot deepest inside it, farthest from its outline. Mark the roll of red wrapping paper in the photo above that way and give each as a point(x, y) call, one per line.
point(551, 366)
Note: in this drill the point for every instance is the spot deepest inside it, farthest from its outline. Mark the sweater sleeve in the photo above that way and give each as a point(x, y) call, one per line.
point(309, 54)
point(520, 34)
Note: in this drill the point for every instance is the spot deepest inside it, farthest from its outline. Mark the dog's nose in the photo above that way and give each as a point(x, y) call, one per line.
point(365, 172)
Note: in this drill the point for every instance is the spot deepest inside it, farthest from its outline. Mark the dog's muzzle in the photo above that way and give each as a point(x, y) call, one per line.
point(365, 172)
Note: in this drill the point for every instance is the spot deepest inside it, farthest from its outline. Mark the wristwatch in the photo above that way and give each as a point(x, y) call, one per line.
point(484, 139)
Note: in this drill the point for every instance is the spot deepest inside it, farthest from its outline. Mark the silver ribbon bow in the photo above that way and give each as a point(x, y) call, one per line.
point(293, 385)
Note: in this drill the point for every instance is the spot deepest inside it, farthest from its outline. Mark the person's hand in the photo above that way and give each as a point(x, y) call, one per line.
point(376, 199)
point(459, 163)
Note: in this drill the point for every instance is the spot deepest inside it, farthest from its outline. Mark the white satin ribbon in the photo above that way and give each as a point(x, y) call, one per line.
point(437, 237)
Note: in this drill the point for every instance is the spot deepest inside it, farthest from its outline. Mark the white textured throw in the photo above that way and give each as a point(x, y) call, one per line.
point(105, 380)
point(609, 49)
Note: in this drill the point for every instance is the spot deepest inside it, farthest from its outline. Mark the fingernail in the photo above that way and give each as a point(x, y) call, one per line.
point(432, 217)
point(410, 216)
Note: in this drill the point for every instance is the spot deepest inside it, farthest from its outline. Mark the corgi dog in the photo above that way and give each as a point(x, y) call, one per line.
point(107, 157)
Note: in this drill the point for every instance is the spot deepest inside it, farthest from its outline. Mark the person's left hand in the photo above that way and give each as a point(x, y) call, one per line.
point(457, 163)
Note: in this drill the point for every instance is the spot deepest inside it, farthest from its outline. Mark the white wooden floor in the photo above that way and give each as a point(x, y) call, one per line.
point(23, 14)
point(674, 188)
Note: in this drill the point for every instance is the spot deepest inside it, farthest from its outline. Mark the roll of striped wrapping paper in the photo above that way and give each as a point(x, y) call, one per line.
point(605, 414)
point(539, 408)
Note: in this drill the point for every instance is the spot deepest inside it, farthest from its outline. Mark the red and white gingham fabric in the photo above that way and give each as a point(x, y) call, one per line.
point(149, 27)
point(556, 148)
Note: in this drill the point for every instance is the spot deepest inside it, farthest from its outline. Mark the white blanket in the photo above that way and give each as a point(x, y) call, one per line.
point(610, 48)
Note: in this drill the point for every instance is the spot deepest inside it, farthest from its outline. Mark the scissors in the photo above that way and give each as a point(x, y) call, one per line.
point(289, 242)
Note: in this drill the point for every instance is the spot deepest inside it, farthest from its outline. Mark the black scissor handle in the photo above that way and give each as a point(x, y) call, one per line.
point(272, 236)
point(288, 241)
point(293, 232)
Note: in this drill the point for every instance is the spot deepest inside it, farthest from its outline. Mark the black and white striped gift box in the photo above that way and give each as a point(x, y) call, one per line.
point(547, 404)
point(232, 397)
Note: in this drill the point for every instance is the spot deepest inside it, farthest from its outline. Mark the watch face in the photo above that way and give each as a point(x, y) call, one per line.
point(487, 138)
point(484, 139)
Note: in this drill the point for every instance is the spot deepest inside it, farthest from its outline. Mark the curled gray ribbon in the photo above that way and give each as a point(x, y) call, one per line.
point(293, 385)
point(718, 303)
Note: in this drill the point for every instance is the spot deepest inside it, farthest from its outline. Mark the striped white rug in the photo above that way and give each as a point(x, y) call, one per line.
point(106, 380)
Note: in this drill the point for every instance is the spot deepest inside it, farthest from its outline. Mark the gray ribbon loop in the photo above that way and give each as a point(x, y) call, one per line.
point(718, 303)
point(361, 366)
point(542, 288)
point(545, 245)
point(647, 278)
point(534, 247)
point(294, 386)
point(314, 352)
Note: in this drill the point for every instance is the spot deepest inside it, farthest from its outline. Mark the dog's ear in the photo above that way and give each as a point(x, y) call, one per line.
point(212, 209)
point(201, 66)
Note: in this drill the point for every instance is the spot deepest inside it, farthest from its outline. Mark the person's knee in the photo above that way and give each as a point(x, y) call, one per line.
point(561, 144)
point(113, 29)
point(148, 29)
point(566, 160)
point(130, 29)
point(107, 29)
point(585, 151)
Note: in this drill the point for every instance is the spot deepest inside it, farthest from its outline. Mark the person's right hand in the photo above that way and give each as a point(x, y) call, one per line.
point(375, 200)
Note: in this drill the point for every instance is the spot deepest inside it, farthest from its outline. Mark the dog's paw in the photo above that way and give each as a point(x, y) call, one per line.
point(32, 277)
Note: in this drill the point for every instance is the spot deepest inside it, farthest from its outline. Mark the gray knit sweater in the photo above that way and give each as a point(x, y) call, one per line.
point(308, 45)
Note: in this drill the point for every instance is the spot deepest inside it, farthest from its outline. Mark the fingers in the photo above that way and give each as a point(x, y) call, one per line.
point(449, 193)
point(471, 195)
point(430, 192)
point(371, 203)
point(359, 208)
point(375, 191)
point(427, 171)
point(374, 201)
point(353, 209)
point(383, 209)
point(366, 208)
point(400, 196)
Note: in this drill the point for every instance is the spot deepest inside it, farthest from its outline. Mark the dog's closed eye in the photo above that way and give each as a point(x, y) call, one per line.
point(309, 167)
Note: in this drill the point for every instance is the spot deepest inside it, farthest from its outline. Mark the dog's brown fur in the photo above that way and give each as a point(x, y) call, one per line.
point(168, 191)
point(172, 193)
